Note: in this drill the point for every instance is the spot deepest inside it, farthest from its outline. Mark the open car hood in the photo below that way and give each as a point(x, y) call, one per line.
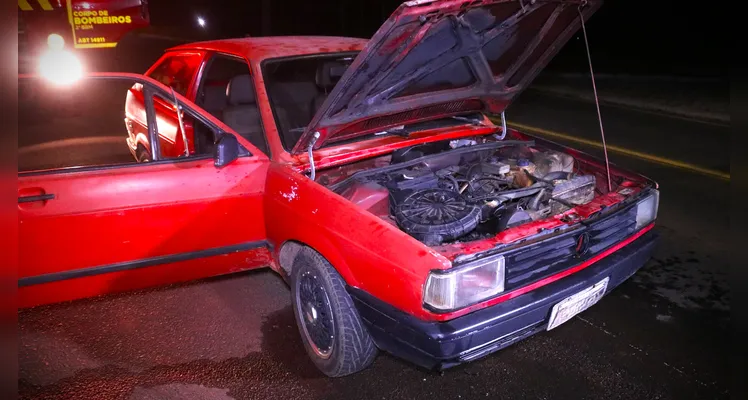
point(436, 58)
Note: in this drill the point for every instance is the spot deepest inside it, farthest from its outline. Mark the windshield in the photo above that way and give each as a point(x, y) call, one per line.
point(298, 86)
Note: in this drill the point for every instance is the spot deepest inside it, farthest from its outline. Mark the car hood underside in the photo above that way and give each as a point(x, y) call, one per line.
point(439, 58)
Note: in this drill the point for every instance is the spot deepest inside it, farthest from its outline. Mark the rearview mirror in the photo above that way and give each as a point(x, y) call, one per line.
point(226, 151)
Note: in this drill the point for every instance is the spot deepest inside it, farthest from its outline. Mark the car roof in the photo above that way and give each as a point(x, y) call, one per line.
point(260, 48)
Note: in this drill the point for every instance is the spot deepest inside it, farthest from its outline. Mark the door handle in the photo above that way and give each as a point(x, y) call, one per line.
point(38, 197)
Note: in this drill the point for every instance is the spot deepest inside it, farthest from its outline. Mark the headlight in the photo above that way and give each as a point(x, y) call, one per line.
point(453, 289)
point(646, 210)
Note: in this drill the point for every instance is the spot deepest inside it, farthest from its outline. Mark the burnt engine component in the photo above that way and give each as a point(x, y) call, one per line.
point(440, 195)
point(575, 190)
point(494, 166)
point(485, 187)
point(434, 216)
point(552, 161)
point(513, 216)
point(412, 179)
point(521, 171)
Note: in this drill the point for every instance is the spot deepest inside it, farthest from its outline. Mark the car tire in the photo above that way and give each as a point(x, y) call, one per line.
point(330, 327)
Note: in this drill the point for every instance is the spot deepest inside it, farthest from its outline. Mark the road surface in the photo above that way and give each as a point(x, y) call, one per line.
point(662, 334)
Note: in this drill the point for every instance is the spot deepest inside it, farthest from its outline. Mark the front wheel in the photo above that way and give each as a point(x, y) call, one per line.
point(330, 327)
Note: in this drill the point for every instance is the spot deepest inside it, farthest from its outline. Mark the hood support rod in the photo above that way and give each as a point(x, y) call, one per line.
point(312, 172)
point(594, 89)
point(503, 128)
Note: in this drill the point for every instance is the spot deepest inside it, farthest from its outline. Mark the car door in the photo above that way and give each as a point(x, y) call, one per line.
point(96, 229)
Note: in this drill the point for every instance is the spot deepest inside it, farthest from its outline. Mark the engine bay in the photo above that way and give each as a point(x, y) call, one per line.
point(466, 189)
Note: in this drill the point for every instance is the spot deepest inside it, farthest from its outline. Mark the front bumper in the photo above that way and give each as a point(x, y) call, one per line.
point(445, 344)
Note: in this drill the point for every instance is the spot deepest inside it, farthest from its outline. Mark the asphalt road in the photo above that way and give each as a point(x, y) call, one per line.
point(662, 334)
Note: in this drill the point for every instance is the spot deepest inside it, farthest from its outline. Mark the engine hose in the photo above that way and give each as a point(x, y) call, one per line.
point(469, 173)
point(493, 178)
point(469, 183)
point(549, 177)
point(533, 205)
point(453, 181)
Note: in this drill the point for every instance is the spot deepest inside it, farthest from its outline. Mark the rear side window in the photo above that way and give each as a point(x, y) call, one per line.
point(177, 71)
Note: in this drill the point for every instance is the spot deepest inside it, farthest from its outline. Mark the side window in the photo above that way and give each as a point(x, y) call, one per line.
point(227, 91)
point(174, 132)
point(177, 71)
point(80, 125)
point(65, 128)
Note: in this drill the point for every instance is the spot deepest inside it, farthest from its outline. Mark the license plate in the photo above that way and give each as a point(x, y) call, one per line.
point(573, 305)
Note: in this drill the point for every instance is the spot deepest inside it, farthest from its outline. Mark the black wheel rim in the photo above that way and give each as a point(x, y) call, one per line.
point(315, 313)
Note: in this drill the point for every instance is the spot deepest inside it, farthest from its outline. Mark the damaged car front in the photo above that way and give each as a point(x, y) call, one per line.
point(457, 236)
point(532, 234)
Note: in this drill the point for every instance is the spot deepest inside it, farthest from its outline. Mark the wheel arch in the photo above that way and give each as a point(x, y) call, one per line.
point(290, 248)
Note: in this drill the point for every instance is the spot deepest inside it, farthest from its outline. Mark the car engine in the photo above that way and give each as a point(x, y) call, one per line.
point(442, 196)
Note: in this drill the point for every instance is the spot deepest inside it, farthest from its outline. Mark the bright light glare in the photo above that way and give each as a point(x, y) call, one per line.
point(60, 67)
point(55, 41)
point(201, 22)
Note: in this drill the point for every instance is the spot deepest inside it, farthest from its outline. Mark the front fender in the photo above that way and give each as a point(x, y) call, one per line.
point(369, 253)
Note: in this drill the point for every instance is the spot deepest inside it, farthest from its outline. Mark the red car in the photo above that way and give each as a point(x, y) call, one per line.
point(368, 174)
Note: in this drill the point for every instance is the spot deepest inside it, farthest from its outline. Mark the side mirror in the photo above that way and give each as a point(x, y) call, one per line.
point(226, 151)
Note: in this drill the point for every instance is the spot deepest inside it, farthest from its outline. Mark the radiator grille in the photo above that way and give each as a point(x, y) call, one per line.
point(531, 263)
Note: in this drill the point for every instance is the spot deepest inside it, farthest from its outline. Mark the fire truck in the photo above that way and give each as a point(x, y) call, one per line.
point(74, 26)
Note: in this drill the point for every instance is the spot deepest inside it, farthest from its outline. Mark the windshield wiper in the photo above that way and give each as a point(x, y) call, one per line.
point(474, 121)
point(399, 131)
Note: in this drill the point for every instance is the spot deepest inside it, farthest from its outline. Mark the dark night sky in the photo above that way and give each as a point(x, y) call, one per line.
point(626, 36)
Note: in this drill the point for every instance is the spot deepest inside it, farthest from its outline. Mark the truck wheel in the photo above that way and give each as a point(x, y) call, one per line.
point(330, 326)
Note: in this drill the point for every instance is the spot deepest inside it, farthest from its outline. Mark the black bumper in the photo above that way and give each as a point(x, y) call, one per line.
point(444, 344)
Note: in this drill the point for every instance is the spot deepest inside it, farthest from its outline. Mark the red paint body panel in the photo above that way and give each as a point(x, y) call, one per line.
point(139, 212)
point(368, 252)
point(110, 215)
point(116, 282)
point(261, 48)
